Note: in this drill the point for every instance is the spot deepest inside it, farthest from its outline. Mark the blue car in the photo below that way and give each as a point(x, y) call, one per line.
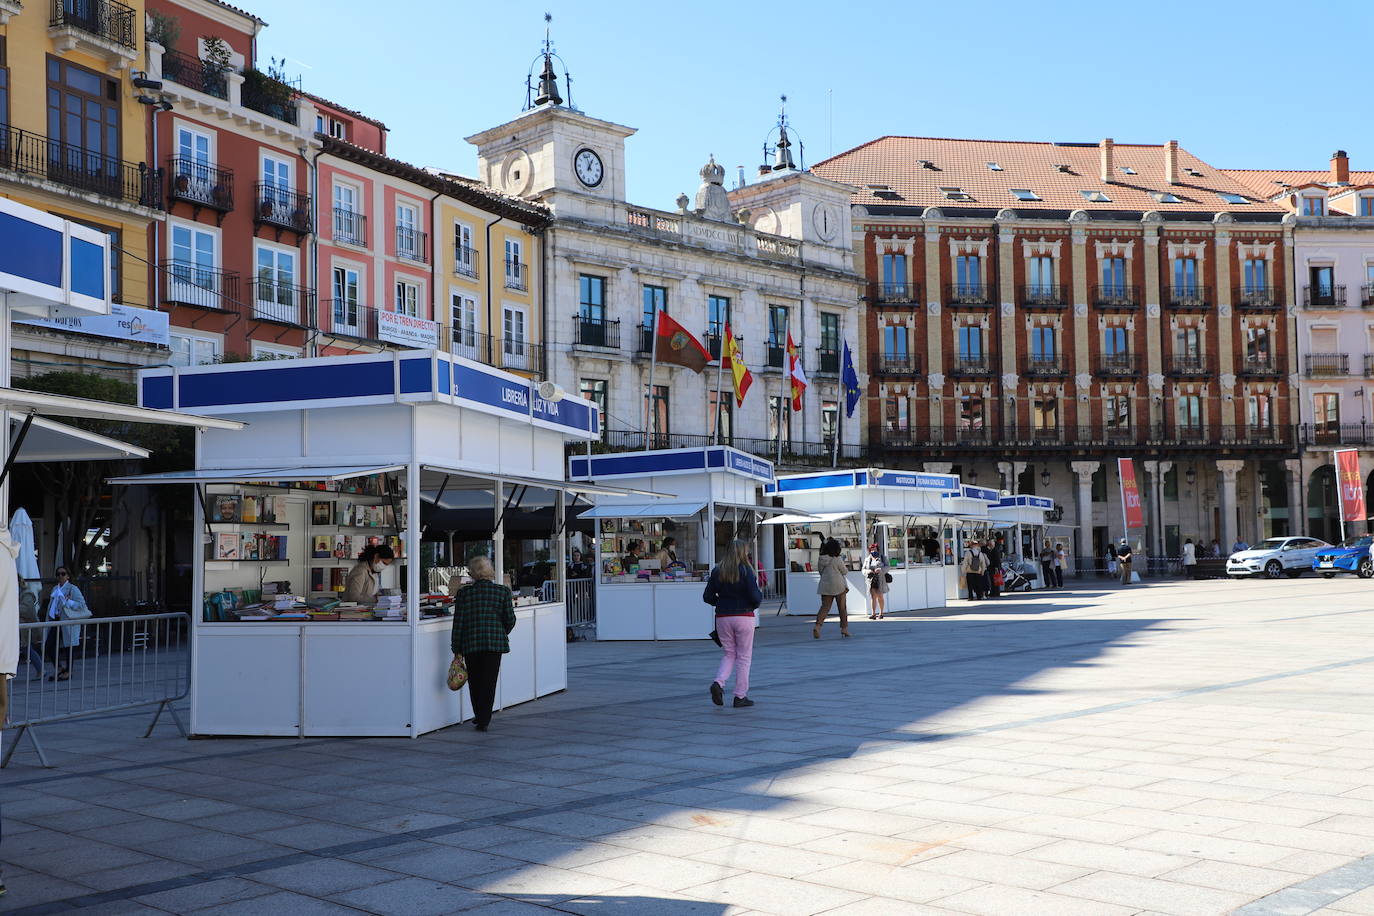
point(1354, 554)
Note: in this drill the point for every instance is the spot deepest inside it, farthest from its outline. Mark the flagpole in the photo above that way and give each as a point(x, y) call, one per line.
point(652, 414)
point(839, 426)
point(720, 368)
point(1340, 492)
point(786, 396)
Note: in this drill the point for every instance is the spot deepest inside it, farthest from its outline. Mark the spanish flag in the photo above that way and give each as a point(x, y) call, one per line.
point(795, 373)
point(743, 378)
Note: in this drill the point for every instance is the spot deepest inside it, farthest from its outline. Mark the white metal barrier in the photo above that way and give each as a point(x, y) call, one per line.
point(72, 670)
point(580, 601)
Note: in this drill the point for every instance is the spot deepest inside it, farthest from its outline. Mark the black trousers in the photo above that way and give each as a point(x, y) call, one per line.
point(977, 586)
point(483, 669)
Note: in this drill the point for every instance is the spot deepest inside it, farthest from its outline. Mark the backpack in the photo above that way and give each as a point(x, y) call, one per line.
point(976, 563)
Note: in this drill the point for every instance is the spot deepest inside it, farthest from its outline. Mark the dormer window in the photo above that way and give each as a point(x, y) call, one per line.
point(1366, 205)
point(1230, 198)
point(952, 193)
point(1194, 172)
point(1312, 205)
point(1096, 197)
point(1025, 194)
point(1063, 167)
point(1164, 197)
point(926, 164)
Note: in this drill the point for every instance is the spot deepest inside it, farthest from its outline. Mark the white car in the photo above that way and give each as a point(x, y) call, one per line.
point(1274, 557)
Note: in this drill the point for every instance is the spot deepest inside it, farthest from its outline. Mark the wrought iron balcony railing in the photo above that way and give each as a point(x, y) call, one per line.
point(282, 207)
point(893, 293)
point(597, 332)
point(1259, 367)
point(281, 303)
point(897, 363)
point(270, 97)
point(1327, 364)
point(519, 356)
point(1369, 365)
point(350, 227)
point(774, 357)
point(1189, 364)
point(1044, 366)
point(1116, 296)
point(971, 364)
point(199, 287)
point(412, 244)
point(470, 344)
point(1318, 297)
point(827, 361)
point(194, 73)
point(1188, 298)
point(968, 294)
point(1153, 437)
point(200, 184)
point(80, 169)
point(1118, 364)
point(517, 275)
point(346, 318)
point(1337, 433)
point(107, 19)
point(1367, 296)
point(465, 261)
point(1258, 298)
point(644, 341)
point(1043, 296)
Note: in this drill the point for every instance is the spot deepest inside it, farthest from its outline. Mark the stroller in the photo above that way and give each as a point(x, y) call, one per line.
point(1014, 580)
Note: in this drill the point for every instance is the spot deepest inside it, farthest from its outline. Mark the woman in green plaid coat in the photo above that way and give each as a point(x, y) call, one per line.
point(483, 616)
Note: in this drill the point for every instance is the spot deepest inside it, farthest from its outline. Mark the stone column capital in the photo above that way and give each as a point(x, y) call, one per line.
point(937, 467)
point(1229, 470)
point(1085, 469)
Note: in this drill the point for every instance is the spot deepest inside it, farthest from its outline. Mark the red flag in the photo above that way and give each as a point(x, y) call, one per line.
point(1130, 494)
point(675, 344)
point(1350, 484)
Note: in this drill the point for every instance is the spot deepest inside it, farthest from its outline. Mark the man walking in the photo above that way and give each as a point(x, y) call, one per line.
point(1123, 558)
point(994, 555)
point(974, 566)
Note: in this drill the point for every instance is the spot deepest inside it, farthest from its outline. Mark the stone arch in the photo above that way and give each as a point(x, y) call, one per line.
point(1323, 504)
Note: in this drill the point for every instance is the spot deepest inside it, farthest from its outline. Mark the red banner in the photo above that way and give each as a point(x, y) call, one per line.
point(1351, 486)
point(1134, 509)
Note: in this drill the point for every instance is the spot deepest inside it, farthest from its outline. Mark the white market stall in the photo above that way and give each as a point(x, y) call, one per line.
point(714, 498)
point(1024, 516)
point(906, 512)
point(338, 454)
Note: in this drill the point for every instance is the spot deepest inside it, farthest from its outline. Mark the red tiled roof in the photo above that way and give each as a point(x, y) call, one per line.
point(1033, 166)
point(342, 110)
point(1265, 182)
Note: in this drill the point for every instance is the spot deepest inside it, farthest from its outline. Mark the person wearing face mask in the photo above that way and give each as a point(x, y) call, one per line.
point(365, 578)
point(875, 571)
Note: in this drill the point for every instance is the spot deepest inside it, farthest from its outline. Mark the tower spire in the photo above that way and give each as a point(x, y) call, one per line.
point(548, 79)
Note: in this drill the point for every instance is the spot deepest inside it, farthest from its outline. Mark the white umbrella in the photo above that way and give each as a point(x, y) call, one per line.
point(21, 529)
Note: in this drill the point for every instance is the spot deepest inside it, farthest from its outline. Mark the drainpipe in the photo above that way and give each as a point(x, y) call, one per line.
point(491, 336)
point(157, 238)
point(545, 243)
point(434, 297)
point(312, 165)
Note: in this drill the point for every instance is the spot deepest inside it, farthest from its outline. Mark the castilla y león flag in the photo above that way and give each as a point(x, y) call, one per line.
point(1130, 494)
point(1351, 486)
point(675, 344)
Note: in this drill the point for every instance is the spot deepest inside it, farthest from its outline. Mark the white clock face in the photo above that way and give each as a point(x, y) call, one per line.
point(587, 165)
point(827, 221)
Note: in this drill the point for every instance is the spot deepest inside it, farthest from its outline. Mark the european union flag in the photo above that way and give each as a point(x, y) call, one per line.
point(850, 380)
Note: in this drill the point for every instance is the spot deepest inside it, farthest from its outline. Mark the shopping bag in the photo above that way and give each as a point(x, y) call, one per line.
point(457, 673)
point(1135, 576)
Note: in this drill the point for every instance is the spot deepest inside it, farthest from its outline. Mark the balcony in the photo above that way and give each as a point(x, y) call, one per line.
point(1150, 439)
point(1045, 435)
point(973, 435)
point(1259, 367)
point(827, 361)
point(1369, 365)
point(469, 344)
point(896, 364)
point(1118, 365)
point(1188, 433)
point(774, 357)
point(1120, 434)
point(1337, 434)
point(517, 355)
point(1042, 296)
point(346, 318)
point(194, 73)
point(200, 185)
point(971, 366)
point(281, 303)
point(268, 96)
point(1116, 296)
point(517, 275)
point(465, 261)
point(1318, 297)
point(1189, 365)
point(412, 244)
point(1188, 298)
point(350, 227)
point(897, 293)
point(1367, 296)
point(711, 340)
point(79, 169)
point(968, 295)
point(1258, 298)
point(281, 208)
point(596, 332)
point(199, 287)
point(1045, 367)
point(816, 453)
point(102, 27)
point(644, 341)
point(1326, 364)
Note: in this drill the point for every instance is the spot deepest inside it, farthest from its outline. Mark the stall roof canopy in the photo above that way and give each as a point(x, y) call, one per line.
point(721, 459)
point(60, 405)
point(764, 510)
point(871, 477)
point(795, 519)
point(667, 508)
point(275, 474)
point(566, 486)
point(48, 440)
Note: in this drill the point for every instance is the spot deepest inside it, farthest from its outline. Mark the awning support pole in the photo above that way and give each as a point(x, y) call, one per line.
point(17, 444)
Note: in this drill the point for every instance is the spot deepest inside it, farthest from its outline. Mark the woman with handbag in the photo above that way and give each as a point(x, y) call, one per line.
point(875, 571)
point(65, 602)
point(833, 587)
point(483, 616)
point(733, 590)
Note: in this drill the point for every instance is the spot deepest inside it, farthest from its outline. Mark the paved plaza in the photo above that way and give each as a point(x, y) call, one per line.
point(1180, 748)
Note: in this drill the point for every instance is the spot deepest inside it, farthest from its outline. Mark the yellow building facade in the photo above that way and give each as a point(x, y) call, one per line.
point(73, 141)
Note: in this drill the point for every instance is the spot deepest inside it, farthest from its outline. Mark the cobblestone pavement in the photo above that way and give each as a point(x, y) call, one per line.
point(1181, 748)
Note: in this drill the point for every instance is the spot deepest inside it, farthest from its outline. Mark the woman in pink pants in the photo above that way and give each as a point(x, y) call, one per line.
point(733, 589)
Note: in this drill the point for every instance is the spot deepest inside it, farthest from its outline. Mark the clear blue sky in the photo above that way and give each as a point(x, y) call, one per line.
point(1241, 85)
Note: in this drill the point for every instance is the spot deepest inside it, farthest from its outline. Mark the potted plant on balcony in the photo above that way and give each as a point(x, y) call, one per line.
point(270, 90)
point(162, 29)
point(220, 195)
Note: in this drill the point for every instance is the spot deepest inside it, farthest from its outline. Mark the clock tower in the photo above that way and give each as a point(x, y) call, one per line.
point(555, 154)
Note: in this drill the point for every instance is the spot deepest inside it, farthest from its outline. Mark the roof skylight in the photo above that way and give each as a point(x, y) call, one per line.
point(1025, 194)
point(1232, 198)
point(1164, 197)
point(1127, 170)
point(1096, 197)
point(994, 167)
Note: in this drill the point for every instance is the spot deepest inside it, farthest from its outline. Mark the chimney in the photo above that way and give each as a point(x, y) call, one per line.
point(1106, 149)
point(1340, 167)
point(1171, 162)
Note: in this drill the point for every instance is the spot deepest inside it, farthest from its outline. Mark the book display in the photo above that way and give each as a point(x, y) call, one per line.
point(909, 545)
point(617, 537)
point(804, 543)
point(265, 533)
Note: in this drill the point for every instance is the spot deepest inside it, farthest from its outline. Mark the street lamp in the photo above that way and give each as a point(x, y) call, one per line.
point(1190, 476)
point(973, 475)
point(1045, 477)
